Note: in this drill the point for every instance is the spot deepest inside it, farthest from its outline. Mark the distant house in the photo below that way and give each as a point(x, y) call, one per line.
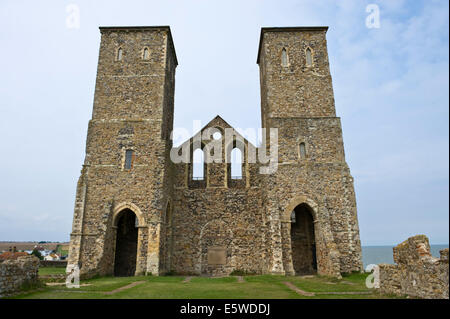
point(52, 257)
point(62, 250)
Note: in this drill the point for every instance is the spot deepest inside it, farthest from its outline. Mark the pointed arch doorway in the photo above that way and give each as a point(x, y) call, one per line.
point(126, 244)
point(303, 244)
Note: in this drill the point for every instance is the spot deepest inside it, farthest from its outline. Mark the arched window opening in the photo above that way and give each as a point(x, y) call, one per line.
point(284, 57)
point(129, 156)
point(146, 54)
point(302, 150)
point(198, 165)
point(119, 54)
point(308, 57)
point(236, 163)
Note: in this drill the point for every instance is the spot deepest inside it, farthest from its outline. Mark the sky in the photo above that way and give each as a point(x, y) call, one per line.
point(390, 84)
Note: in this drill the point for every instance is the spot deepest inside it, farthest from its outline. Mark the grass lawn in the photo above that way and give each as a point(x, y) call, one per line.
point(175, 287)
point(44, 271)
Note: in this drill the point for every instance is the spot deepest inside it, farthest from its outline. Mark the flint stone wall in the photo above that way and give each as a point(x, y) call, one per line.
point(15, 272)
point(297, 98)
point(416, 273)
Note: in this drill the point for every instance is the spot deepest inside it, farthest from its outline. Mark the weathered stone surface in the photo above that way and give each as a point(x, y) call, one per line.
point(181, 220)
point(16, 272)
point(298, 99)
point(133, 110)
point(416, 273)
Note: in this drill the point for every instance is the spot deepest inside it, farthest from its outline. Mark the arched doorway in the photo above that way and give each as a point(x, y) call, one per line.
point(303, 243)
point(126, 244)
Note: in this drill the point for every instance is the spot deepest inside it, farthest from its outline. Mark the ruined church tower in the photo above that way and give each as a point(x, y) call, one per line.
point(127, 153)
point(311, 195)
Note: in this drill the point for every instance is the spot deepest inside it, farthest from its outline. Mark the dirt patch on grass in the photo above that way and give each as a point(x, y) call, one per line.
point(133, 284)
point(187, 279)
point(291, 286)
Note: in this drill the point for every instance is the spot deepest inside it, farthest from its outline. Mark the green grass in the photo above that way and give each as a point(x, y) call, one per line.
point(44, 271)
point(324, 284)
point(174, 287)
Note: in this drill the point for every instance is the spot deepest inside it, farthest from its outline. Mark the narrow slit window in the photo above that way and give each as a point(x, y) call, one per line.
point(308, 57)
point(284, 57)
point(236, 164)
point(128, 159)
point(302, 150)
point(146, 54)
point(119, 54)
point(198, 165)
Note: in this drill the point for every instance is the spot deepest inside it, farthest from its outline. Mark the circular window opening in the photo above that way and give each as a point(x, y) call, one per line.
point(217, 136)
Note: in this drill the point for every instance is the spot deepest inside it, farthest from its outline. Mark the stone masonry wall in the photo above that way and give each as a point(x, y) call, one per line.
point(15, 272)
point(416, 273)
point(217, 214)
point(298, 99)
point(133, 110)
point(295, 89)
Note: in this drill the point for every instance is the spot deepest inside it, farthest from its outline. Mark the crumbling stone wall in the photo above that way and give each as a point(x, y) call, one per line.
point(416, 272)
point(16, 272)
point(217, 216)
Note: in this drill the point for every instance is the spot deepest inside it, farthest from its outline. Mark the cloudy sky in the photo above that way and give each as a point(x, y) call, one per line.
point(390, 83)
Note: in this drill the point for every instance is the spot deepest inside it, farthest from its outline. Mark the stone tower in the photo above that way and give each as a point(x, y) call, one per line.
point(127, 153)
point(312, 176)
point(137, 211)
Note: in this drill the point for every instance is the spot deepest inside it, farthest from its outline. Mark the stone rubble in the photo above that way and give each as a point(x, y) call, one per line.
point(416, 272)
point(16, 272)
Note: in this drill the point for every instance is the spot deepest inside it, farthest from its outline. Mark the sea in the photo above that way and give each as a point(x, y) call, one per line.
point(384, 254)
